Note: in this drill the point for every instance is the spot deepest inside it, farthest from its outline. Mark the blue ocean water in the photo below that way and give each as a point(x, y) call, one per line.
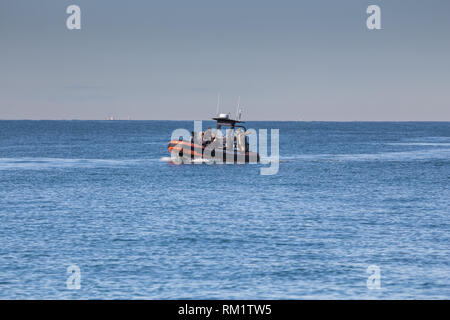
point(97, 194)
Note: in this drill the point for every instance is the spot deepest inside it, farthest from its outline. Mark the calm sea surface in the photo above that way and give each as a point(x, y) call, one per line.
point(97, 194)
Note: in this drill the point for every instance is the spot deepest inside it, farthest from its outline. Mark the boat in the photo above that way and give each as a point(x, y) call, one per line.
point(192, 150)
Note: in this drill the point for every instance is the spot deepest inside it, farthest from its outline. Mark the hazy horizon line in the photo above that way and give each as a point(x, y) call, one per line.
point(184, 120)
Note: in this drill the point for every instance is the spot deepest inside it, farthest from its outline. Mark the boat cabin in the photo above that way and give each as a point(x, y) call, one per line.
point(224, 120)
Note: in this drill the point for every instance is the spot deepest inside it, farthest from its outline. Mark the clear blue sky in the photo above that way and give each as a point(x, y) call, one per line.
point(288, 60)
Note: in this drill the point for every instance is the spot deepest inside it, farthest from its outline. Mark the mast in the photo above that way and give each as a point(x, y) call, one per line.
point(218, 103)
point(237, 107)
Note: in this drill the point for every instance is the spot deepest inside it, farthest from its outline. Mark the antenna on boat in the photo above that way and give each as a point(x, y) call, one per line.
point(218, 103)
point(240, 114)
point(238, 106)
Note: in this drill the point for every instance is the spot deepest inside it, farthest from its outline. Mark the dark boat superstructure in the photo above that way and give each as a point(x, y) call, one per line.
point(197, 151)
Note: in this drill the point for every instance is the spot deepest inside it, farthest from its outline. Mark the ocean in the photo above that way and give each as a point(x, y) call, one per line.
point(100, 195)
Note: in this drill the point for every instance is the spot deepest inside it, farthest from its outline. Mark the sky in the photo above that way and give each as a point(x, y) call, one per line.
point(168, 59)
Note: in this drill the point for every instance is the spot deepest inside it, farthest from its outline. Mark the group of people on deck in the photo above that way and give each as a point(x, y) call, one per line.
point(209, 136)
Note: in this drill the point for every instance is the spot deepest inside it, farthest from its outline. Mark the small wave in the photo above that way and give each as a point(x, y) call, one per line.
point(432, 154)
point(46, 163)
point(265, 160)
point(186, 161)
point(399, 156)
point(428, 139)
point(424, 144)
point(201, 161)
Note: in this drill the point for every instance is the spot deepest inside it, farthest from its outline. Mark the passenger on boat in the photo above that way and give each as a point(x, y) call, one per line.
point(198, 138)
point(207, 136)
point(240, 140)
